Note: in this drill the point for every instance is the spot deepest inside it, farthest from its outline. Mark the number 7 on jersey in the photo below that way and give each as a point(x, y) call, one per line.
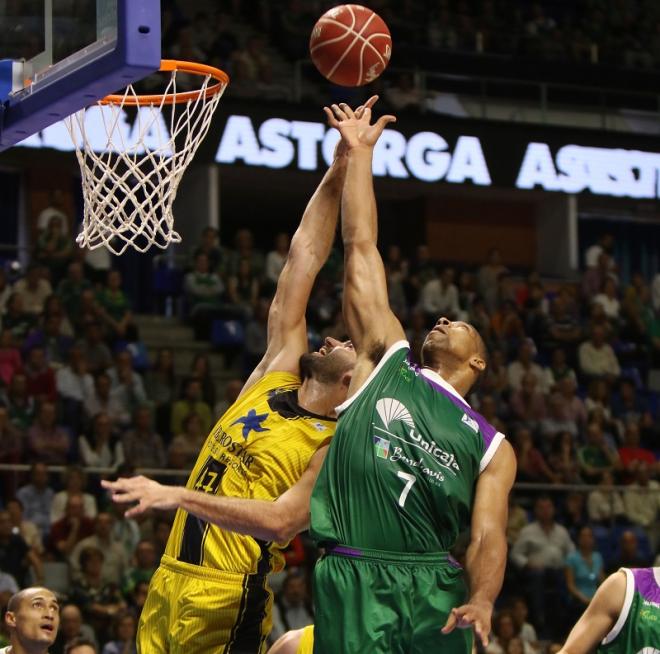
point(410, 480)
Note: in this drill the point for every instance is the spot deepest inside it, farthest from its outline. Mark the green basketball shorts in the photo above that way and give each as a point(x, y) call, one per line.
point(369, 602)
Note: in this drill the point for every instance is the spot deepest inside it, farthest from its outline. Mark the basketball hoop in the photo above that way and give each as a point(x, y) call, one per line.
point(130, 178)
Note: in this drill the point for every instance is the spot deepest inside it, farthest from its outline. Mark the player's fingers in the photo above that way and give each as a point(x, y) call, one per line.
point(451, 623)
point(383, 121)
point(347, 110)
point(480, 631)
point(339, 112)
point(332, 121)
point(136, 510)
point(371, 101)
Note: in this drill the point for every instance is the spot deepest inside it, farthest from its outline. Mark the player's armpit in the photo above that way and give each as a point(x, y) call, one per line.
point(599, 617)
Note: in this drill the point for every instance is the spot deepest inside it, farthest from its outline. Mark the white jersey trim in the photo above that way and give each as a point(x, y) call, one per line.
point(435, 377)
point(490, 452)
point(394, 348)
point(625, 609)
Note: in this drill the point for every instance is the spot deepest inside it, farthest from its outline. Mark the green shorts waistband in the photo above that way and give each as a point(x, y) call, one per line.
point(405, 558)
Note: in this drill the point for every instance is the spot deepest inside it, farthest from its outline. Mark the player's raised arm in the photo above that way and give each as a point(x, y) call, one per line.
point(599, 617)
point(277, 521)
point(371, 324)
point(486, 554)
point(309, 250)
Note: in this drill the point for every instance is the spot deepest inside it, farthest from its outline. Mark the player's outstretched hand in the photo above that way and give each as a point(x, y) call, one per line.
point(356, 129)
point(342, 148)
point(469, 616)
point(148, 494)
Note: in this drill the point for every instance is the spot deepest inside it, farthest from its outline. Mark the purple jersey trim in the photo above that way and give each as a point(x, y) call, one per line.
point(488, 432)
point(646, 585)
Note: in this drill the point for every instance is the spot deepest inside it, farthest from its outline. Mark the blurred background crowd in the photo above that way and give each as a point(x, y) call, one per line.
point(83, 394)
point(86, 392)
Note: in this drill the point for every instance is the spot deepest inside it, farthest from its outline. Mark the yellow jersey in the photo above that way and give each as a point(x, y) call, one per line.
point(258, 449)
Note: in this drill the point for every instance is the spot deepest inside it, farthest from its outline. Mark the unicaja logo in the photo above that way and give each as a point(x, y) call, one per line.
point(390, 410)
point(649, 650)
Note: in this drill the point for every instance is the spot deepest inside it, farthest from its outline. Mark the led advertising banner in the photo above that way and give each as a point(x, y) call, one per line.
point(429, 148)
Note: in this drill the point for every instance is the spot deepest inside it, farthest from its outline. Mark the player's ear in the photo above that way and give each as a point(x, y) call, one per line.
point(346, 379)
point(477, 364)
point(10, 619)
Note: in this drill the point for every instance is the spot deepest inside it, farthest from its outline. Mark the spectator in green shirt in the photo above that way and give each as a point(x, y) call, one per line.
point(596, 456)
point(115, 307)
point(190, 403)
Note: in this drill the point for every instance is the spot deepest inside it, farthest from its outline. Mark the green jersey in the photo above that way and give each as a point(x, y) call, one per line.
point(637, 631)
point(401, 470)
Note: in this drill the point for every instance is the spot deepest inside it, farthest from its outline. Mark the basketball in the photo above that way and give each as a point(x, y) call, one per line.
point(350, 45)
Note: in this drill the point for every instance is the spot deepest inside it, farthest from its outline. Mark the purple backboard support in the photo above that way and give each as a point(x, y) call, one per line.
point(91, 75)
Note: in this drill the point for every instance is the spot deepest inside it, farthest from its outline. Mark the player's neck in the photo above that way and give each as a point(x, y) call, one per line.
point(461, 382)
point(27, 648)
point(318, 398)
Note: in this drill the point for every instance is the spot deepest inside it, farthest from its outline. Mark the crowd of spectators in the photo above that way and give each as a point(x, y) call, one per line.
point(567, 382)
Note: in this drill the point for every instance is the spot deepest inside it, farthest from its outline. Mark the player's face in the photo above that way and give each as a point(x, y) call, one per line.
point(455, 337)
point(37, 619)
point(335, 348)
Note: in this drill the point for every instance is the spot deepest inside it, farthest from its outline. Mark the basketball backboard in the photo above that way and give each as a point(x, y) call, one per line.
point(63, 55)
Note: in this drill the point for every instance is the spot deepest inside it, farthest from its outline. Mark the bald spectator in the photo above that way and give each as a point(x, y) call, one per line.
point(573, 407)
point(143, 447)
point(66, 533)
point(37, 498)
point(597, 358)
point(47, 441)
point(72, 628)
point(524, 365)
point(114, 562)
point(81, 646)
point(75, 482)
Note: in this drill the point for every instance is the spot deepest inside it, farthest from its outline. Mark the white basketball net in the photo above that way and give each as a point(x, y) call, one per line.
point(130, 177)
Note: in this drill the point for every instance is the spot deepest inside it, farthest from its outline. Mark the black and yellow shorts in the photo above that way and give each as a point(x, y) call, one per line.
point(195, 610)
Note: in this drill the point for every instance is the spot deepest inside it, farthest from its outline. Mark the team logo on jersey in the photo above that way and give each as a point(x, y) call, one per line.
point(382, 447)
point(470, 422)
point(649, 650)
point(390, 410)
point(251, 422)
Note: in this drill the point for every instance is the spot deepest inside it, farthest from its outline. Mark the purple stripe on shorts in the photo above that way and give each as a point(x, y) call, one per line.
point(646, 585)
point(453, 562)
point(346, 551)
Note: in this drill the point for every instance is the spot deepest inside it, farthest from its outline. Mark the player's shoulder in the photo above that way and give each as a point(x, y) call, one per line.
point(272, 381)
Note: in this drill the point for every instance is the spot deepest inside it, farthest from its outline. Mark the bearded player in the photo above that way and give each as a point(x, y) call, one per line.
point(623, 616)
point(410, 467)
point(249, 492)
